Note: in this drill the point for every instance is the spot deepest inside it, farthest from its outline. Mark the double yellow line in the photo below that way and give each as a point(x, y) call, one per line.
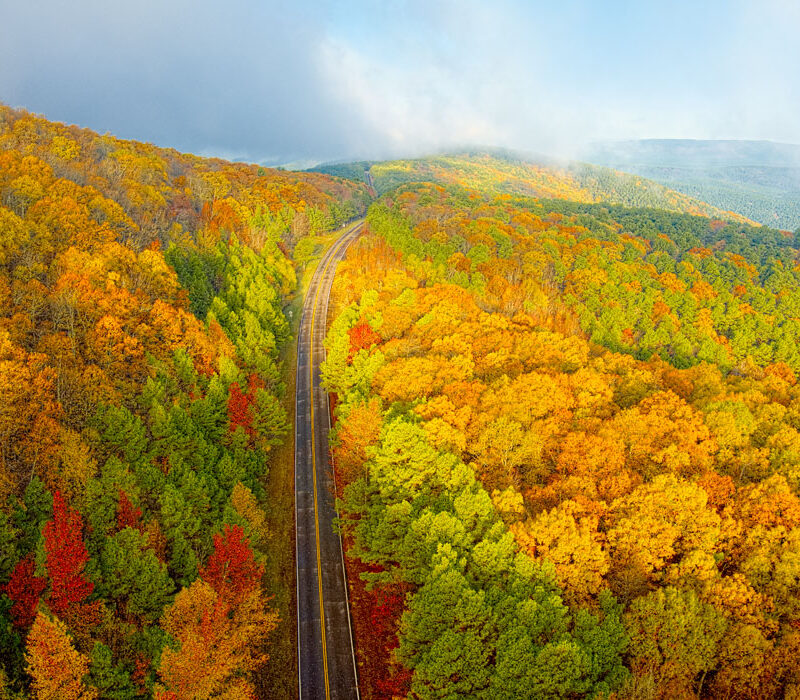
point(345, 239)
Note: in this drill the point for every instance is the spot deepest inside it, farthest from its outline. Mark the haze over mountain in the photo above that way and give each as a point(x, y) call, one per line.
point(758, 179)
point(279, 82)
point(505, 172)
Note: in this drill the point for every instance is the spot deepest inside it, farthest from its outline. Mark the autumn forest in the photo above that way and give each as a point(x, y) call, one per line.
point(564, 439)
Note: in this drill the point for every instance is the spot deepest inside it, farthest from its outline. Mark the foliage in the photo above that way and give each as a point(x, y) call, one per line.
point(56, 668)
point(507, 173)
point(141, 396)
point(584, 448)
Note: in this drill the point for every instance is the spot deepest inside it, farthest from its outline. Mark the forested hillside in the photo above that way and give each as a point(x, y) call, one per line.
point(142, 316)
point(758, 179)
point(569, 449)
point(508, 173)
point(565, 436)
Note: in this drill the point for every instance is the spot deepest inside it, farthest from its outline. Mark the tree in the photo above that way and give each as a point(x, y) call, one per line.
point(503, 447)
point(744, 663)
point(111, 680)
point(56, 668)
point(29, 414)
point(240, 410)
point(24, 589)
point(354, 435)
point(66, 557)
point(269, 419)
point(447, 636)
point(215, 648)
point(571, 543)
point(663, 433)
point(133, 576)
point(231, 569)
point(658, 522)
point(127, 514)
point(362, 337)
point(674, 637)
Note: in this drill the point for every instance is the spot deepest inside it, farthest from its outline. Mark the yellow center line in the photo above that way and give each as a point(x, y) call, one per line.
point(314, 457)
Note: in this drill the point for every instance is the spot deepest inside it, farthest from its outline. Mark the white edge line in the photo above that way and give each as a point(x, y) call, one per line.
point(296, 539)
point(335, 495)
point(296, 431)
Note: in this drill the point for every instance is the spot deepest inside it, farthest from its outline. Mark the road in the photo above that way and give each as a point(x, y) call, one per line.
point(369, 181)
point(326, 658)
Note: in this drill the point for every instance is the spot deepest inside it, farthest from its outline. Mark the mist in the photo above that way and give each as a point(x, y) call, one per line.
point(277, 82)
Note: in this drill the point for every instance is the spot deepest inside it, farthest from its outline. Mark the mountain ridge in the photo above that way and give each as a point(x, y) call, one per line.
point(502, 171)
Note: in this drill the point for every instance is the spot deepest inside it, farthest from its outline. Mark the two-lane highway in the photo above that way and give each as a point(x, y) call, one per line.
point(326, 657)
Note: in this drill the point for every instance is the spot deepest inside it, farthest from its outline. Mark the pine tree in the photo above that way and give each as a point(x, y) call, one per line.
point(113, 681)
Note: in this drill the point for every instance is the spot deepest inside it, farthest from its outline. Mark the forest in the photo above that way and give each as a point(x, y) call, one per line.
point(499, 171)
point(570, 449)
point(758, 179)
point(564, 432)
point(143, 300)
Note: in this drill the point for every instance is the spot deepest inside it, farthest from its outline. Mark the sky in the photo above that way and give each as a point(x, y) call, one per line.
point(276, 82)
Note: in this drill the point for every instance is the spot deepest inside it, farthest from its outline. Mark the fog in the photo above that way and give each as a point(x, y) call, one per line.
point(278, 82)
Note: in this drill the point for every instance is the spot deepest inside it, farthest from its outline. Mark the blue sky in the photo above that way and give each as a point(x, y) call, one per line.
point(271, 81)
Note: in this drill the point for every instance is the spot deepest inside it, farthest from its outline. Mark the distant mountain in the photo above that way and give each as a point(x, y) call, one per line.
point(757, 179)
point(504, 172)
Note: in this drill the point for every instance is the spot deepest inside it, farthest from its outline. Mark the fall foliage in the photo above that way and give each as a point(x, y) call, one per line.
point(565, 440)
point(56, 668)
point(142, 319)
point(569, 400)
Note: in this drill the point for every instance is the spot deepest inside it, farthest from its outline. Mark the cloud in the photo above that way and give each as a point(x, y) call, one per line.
point(239, 78)
point(278, 81)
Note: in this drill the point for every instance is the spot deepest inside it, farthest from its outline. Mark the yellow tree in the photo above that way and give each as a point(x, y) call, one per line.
point(664, 433)
point(659, 522)
point(56, 668)
point(572, 544)
point(216, 646)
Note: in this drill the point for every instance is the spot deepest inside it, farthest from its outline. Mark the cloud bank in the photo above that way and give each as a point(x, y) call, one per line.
point(278, 81)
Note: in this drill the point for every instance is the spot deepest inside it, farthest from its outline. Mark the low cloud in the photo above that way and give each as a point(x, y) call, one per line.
point(275, 82)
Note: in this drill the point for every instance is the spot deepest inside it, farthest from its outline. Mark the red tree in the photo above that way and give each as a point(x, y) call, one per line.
point(66, 557)
point(361, 337)
point(24, 588)
point(239, 403)
point(231, 570)
point(386, 607)
point(127, 514)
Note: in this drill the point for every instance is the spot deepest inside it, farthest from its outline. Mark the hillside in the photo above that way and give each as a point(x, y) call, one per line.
point(758, 179)
point(143, 299)
point(570, 449)
point(565, 441)
point(506, 173)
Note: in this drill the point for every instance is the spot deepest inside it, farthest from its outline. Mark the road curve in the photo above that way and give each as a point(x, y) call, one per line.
point(326, 658)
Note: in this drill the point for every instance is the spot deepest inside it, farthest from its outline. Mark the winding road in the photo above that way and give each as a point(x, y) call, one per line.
point(326, 656)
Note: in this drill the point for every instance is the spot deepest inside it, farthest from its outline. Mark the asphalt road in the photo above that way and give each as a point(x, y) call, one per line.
point(326, 658)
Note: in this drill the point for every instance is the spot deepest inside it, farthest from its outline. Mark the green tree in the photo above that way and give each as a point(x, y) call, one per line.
point(674, 637)
point(133, 576)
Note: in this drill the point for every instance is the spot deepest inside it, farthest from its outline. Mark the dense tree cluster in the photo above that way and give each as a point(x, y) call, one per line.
point(504, 172)
point(569, 439)
point(565, 430)
point(641, 281)
point(140, 398)
point(767, 194)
